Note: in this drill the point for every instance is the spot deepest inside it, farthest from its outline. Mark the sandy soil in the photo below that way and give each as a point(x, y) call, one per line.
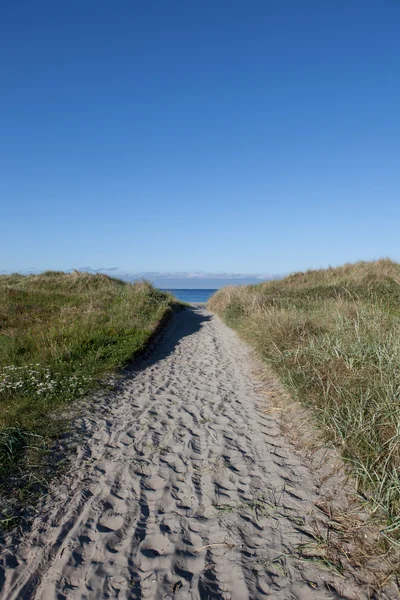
point(183, 487)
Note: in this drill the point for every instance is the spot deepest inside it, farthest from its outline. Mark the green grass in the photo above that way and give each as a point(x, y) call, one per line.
point(60, 335)
point(333, 338)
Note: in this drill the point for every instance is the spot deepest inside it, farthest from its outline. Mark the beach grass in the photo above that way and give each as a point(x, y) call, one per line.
point(333, 338)
point(60, 335)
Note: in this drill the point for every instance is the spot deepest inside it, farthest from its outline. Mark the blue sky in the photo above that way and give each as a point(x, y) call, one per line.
point(178, 136)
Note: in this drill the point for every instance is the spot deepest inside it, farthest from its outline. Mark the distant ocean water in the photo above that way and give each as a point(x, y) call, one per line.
point(192, 295)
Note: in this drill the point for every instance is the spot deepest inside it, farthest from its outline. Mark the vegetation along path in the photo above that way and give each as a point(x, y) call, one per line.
point(183, 487)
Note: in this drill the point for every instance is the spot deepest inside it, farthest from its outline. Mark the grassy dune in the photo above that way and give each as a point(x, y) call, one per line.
point(59, 334)
point(333, 337)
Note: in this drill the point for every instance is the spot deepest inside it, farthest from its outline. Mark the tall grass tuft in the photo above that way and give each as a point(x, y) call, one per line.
point(333, 337)
point(13, 440)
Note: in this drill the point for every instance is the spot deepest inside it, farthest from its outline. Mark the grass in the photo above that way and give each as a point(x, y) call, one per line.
point(333, 338)
point(60, 335)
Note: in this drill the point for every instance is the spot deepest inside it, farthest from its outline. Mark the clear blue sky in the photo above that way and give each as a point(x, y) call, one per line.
point(257, 136)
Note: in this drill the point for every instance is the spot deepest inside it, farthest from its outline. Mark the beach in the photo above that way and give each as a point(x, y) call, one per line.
point(183, 486)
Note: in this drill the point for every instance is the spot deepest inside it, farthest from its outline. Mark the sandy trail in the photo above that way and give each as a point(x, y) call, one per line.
point(183, 488)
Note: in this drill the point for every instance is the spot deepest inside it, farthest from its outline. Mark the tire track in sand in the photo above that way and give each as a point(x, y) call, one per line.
point(182, 489)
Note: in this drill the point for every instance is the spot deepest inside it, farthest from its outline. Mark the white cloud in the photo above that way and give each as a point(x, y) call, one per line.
point(201, 275)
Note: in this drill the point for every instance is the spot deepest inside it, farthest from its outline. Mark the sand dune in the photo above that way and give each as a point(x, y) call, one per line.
point(182, 488)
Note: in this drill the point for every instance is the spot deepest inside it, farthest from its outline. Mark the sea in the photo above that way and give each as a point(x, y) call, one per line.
point(192, 295)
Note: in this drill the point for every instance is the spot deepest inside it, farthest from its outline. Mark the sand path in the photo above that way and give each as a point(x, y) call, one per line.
point(182, 488)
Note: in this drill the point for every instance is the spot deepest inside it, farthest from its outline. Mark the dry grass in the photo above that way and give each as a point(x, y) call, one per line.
point(333, 337)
